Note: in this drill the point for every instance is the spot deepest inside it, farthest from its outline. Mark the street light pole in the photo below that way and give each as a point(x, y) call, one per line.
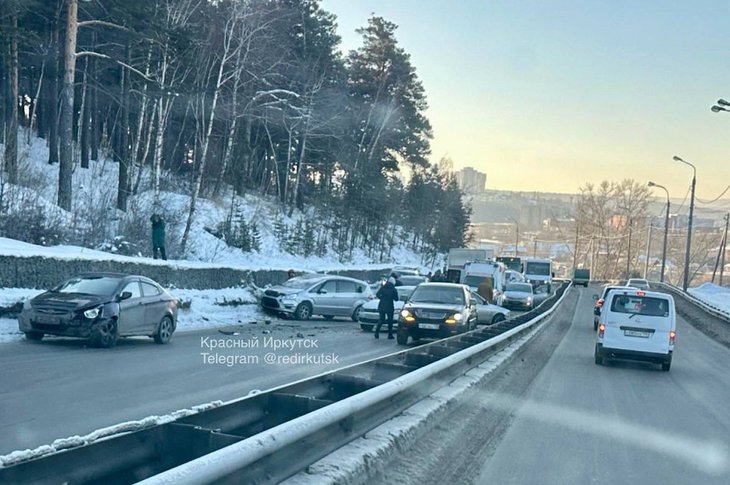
point(685, 282)
point(666, 230)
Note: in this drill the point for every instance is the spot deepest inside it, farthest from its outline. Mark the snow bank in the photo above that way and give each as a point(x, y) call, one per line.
point(713, 295)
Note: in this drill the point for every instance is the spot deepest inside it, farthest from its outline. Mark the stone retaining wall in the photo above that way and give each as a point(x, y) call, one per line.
point(42, 273)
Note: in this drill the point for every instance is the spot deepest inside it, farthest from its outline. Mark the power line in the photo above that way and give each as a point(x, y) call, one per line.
point(715, 199)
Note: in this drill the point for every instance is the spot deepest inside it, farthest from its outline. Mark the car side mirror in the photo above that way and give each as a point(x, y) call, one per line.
point(322, 291)
point(595, 297)
point(473, 302)
point(126, 295)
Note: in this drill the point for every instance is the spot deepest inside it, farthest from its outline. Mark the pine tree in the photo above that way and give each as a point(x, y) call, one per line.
point(255, 237)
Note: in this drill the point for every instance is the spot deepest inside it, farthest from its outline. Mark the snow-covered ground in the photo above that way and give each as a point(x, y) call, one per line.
point(94, 210)
point(713, 295)
point(208, 309)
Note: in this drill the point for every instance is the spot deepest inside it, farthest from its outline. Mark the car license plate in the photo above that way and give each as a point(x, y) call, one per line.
point(636, 333)
point(429, 326)
point(47, 320)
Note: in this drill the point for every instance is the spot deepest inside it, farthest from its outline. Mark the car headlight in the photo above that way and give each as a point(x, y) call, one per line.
point(92, 313)
point(405, 313)
point(458, 316)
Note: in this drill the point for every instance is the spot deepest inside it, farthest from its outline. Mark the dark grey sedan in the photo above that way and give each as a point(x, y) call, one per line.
point(101, 307)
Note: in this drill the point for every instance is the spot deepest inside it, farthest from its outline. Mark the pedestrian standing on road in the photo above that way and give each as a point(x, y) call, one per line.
point(486, 289)
point(290, 274)
point(436, 276)
point(158, 236)
point(388, 295)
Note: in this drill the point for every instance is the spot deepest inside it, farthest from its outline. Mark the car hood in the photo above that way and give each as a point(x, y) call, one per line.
point(496, 308)
point(67, 301)
point(433, 306)
point(372, 305)
point(517, 294)
point(282, 291)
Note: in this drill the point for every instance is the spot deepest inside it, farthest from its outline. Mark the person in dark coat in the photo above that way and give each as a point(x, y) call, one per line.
point(388, 295)
point(290, 274)
point(158, 236)
point(486, 289)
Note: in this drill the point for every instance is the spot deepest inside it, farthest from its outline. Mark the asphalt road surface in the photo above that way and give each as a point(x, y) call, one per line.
point(551, 416)
point(59, 388)
point(623, 423)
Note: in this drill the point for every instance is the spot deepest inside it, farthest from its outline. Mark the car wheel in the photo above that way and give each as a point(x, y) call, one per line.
point(497, 319)
point(666, 366)
point(164, 331)
point(33, 335)
point(104, 334)
point(303, 311)
point(598, 358)
point(595, 326)
point(356, 314)
point(401, 338)
point(366, 327)
point(328, 317)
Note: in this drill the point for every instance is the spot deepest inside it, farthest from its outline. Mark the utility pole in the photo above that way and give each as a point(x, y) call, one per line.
point(724, 247)
point(534, 248)
point(648, 250)
point(593, 263)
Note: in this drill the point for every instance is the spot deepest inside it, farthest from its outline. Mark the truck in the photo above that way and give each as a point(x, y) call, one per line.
point(538, 272)
point(476, 271)
point(458, 257)
point(511, 262)
point(581, 277)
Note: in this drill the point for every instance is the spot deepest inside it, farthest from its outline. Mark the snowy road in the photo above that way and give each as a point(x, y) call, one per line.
point(554, 417)
point(59, 388)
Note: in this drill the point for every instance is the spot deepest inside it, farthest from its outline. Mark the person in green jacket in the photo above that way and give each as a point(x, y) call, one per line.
point(158, 236)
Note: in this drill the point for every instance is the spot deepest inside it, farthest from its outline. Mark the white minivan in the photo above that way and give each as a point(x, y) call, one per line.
point(637, 325)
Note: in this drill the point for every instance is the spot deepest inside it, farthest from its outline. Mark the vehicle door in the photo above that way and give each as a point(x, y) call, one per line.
point(324, 298)
point(154, 306)
point(637, 322)
point(484, 313)
point(131, 319)
point(347, 297)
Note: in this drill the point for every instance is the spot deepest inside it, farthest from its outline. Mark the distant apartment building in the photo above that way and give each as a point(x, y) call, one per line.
point(471, 181)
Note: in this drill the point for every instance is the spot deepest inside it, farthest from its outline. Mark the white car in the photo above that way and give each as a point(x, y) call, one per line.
point(637, 325)
point(638, 283)
point(486, 314)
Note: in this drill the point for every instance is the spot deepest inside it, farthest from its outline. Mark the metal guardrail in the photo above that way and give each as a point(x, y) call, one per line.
point(270, 436)
point(712, 310)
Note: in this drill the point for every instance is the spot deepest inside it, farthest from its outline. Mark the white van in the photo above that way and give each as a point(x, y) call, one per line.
point(475, 272)
point(637, 325)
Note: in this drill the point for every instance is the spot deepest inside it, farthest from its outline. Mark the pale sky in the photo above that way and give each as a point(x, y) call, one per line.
point(547, 95)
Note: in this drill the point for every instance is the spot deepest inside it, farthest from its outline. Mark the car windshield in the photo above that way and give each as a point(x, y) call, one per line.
point(540, 269)
point(474, 280)
point(90, 285)
point(641, 305)
point(438, 294)
point(521, 287)
point(412, 280)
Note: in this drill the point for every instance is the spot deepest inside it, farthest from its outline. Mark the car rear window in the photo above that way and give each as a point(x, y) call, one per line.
point(640, 305)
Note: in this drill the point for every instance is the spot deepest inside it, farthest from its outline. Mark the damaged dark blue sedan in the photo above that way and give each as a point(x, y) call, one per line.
point(102, 307)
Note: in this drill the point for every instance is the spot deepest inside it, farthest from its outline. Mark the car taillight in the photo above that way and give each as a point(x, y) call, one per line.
point(672, 336)
point(599, 303)
point(601, 330)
